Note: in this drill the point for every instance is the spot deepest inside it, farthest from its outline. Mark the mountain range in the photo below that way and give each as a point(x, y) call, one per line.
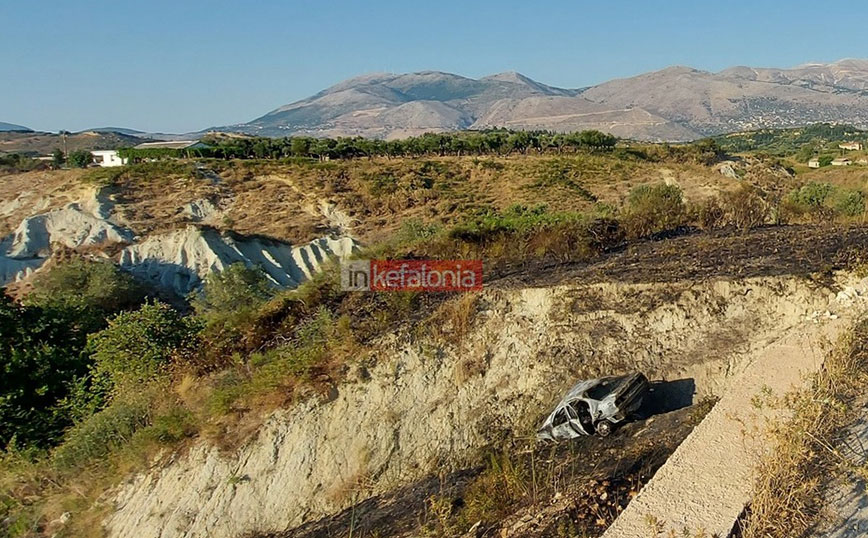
point(673, 104)
point(12, 127)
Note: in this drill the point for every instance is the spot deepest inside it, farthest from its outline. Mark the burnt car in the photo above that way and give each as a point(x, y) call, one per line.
point(595, 406)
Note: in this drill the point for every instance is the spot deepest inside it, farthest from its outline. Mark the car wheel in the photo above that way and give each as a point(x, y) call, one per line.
point(604, 428)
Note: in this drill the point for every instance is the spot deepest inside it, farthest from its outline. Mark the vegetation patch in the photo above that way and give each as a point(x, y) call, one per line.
point(792, 479)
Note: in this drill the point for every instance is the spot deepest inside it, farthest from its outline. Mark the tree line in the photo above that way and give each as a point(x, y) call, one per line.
point(499, 142)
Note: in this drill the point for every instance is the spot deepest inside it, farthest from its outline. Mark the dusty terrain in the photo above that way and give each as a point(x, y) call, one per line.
point(420, 408)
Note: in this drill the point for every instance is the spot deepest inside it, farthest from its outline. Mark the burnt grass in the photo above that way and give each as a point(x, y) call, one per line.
point(596, 477)
point(582, 486)
point(800, 250)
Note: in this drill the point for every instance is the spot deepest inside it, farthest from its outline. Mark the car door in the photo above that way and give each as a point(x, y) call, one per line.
point(561, 427)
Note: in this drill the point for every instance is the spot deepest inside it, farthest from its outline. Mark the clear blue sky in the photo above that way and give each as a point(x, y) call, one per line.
point(184, 65)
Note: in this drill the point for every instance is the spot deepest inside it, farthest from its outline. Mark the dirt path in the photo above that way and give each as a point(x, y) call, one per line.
point(707, 482)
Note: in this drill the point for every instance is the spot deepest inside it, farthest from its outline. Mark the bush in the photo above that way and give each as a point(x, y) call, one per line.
point(79, 159)
point(822, 201)
point(236, 288)
point(94, 438)
point(654, 209)
point(95, 286)
point(40, 361)
point(746, 209)
point(138, 347)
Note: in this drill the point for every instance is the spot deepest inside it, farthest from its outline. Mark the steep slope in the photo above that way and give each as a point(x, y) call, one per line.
point(676, 103)
point(426, 405)
point(174, 261)
point(178, 261)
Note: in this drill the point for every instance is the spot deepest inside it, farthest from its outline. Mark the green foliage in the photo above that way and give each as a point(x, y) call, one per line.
point(414, 231)
point(40, 361)
point(143, 172)
point(58, 159)
point(97, 287)
point(281, 366)
point(516, 219)
point(15, 163)
point(802, 142)
point(94, 438)
point(236, 288)
point(654, 208)
point(497, 141)
point(80, 158)
point(823, 201)
point(137, 347)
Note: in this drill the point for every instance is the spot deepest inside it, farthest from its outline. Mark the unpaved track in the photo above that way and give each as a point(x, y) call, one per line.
point(708, 481)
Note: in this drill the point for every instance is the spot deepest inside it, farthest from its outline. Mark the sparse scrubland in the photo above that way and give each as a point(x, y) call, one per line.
point(101, 375)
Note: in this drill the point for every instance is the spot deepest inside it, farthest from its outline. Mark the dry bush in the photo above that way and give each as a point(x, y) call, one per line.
point(654, 209)
point(789, 497)
point(711, 215)
point(453, 319)
point(746, 209)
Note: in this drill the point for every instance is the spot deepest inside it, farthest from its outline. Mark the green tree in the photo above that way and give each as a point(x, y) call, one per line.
point(97, 287)
point(80, 158)
point(138, 347)
point(236, 288)
point(58, 159)
point(41, 361)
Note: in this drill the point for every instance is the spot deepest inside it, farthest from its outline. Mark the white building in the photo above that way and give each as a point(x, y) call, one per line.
point(842, 161)
point(851, 146)
point(107, 157)
point(814, 163)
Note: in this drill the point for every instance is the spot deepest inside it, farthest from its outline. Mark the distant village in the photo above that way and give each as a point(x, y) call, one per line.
point(817, 162)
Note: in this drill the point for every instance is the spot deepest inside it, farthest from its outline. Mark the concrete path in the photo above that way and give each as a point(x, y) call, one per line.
point(708, 480)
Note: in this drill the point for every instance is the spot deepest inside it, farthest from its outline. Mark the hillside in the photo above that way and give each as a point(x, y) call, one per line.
point(12, 127)
point(677, 103)
point(37, 143)
point(198, 370)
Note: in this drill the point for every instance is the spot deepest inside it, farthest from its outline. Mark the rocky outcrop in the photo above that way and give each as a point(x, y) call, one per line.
point(180, 260)
point(418, 406)
point(73, 226)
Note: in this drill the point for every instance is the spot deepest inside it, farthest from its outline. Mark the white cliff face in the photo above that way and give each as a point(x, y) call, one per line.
point(425, 405)
point(77, 225)
point(180, 260)
point(176, 261)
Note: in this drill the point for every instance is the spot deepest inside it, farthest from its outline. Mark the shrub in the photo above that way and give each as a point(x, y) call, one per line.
point(822, 201)
point(137, 347)
point(236, 288)
point(94, 438)
point(653, 209)
point(745, 208)
point(40, 361)
point(414, 230)
point(849, 203)
point(99, 287)
point(79, 159)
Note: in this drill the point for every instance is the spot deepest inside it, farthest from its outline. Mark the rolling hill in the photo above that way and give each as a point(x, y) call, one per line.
point(12, 127)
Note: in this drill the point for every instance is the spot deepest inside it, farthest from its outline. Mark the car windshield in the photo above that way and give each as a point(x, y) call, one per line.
point(603, 388)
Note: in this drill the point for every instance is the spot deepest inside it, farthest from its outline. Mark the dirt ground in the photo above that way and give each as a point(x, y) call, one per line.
point(595, 479)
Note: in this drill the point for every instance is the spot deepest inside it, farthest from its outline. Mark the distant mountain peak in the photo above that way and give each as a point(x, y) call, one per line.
point(675, 103)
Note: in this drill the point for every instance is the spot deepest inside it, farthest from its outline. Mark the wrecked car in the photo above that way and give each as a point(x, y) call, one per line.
point(595, 406)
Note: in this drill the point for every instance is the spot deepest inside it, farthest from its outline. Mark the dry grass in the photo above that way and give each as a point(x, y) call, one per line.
point(791, 479)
